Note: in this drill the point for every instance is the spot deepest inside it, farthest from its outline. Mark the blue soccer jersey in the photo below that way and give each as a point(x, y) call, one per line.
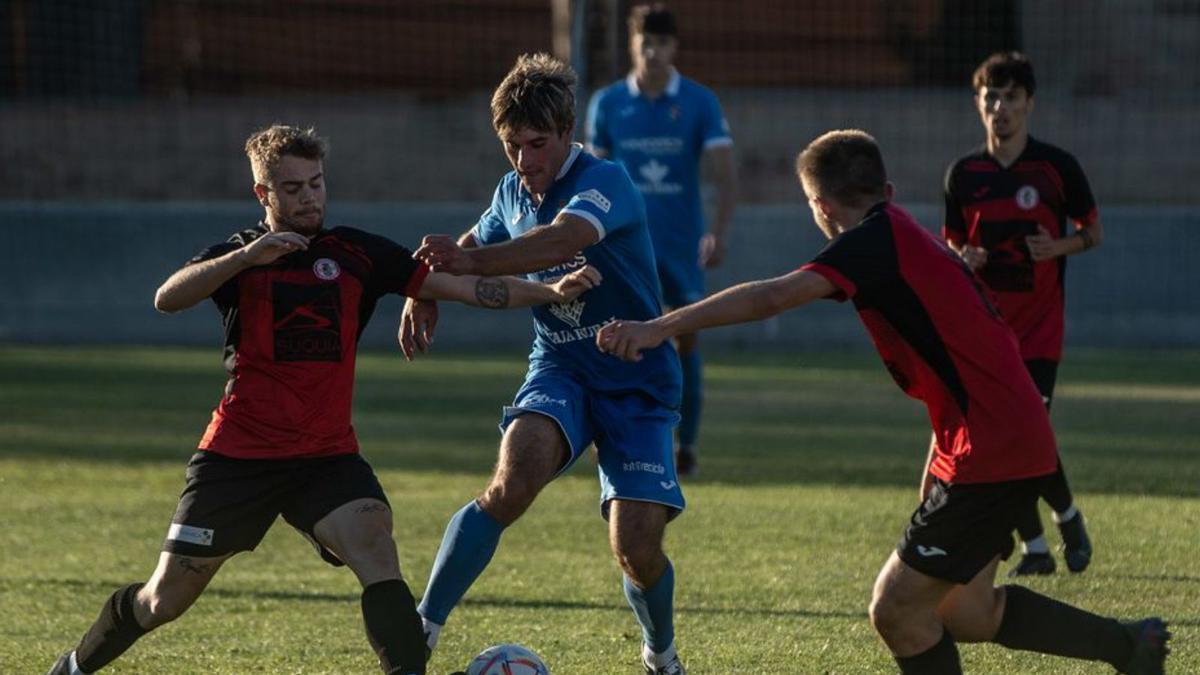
point(601, 193)
point(660, 142)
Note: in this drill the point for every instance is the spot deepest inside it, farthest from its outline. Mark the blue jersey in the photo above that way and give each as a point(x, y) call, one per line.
point(660, 142)
point(601, 193)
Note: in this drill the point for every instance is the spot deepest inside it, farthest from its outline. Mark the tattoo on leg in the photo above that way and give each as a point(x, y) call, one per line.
point(492, 293)
point(189, 566)
point(372, 508)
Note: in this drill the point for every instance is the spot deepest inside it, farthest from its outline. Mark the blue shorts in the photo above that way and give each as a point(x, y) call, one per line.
point(633, 434)
point(682, 280)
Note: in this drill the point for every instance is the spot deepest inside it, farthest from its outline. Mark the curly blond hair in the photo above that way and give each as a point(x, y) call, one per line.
point(538, 93)
point(266, 146)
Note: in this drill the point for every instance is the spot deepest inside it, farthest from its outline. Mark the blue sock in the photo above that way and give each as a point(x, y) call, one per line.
point(467, 548)
point(655, 609)
point(693, 395)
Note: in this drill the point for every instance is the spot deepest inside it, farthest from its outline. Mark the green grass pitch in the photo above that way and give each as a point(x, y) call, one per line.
point(809, 470)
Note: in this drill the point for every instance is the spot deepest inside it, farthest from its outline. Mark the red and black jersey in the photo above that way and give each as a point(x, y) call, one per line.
point(996, 207)
point(291, 335)
point(944, 344)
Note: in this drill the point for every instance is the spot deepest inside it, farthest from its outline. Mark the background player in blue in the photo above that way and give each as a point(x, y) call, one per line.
point(660, 125)
point(561, 209)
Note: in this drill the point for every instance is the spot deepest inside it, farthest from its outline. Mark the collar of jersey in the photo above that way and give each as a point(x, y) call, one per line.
point(672, 84)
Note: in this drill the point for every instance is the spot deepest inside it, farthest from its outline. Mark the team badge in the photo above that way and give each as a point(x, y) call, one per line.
point(568, 312)
point(326, 269)
point(1027, 197)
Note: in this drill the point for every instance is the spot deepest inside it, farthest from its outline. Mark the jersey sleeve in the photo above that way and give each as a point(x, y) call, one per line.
point(490, 228)
point(714, 128)
point(859, 261)
point(1081, 205)
point(606, 198)
point(393, 269)
point(954, 228)
point(226, 295)
point(596, 129)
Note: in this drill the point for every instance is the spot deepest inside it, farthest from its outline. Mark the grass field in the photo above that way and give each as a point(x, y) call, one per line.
point(809, 471)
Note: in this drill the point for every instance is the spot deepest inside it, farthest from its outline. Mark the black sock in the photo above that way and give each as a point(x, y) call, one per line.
point(1029, 522)
point(114, 631)
point(1055, 491)
point(394, 627)
point(1037, 623)
point(940, 659)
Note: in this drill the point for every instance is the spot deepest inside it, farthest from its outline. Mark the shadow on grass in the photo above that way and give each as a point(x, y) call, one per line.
point(100, 585)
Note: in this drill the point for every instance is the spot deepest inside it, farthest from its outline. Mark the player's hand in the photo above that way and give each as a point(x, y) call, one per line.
point(272, 246)
point(975, 256)
point(442, 254)
point(626, 339)
point(573, 285)
point(417, 324)
point(712, 251)
point(1042, 246)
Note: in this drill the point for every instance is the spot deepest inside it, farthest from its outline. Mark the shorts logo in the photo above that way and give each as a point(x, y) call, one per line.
point(647, 467)
point(1027, 197)
point(930, 551)
point(326, 269)
point(568, 312)
point(667, 485)
point(596, 198)
point(541, 399)
point(190, 535)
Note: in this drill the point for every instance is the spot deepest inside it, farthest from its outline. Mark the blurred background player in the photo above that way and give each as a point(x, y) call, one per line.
point(944, 344)
point(660, 126)
point(294, 297)
point(1009, 205)
point(559, 209)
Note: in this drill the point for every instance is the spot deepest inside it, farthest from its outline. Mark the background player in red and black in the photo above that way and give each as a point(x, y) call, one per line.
point(1015, 209)
point(295, 298)
point(944, 344)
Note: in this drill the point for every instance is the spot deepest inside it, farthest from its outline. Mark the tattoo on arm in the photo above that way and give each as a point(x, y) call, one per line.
point(491, 293)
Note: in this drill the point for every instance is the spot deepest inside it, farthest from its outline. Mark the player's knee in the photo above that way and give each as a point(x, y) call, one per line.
point(508, 497)
point(887, 616)
point(644, 561)
point(162, 608)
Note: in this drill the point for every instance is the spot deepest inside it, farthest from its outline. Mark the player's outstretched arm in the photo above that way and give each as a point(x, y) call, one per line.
point(751, 301)
point(419, 318)
point(195, 282)
point(507, 292)
point(538, 249)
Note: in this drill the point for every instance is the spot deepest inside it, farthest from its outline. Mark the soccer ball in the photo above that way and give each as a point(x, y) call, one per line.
point(507, 660)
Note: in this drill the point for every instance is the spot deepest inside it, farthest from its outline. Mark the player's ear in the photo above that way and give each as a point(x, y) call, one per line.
point(261, 192)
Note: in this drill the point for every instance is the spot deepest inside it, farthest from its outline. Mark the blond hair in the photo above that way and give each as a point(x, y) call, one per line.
point(538, 93)
point(266, 147)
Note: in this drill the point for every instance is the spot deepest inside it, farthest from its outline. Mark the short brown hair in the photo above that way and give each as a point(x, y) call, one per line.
point(845, 165)
point(1001, 69)
point(654, 19)
point(266, 146)
point(538, 93)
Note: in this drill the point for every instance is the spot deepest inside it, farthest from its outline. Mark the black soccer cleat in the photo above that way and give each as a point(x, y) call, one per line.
point(1033, 563)
point(1077, 547)
point(685, 461)
point(1150, 649)
point(61, 666)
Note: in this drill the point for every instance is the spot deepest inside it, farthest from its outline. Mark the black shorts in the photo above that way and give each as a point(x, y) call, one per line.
point(229, 504)
point(1044, 373)
point(959, 529)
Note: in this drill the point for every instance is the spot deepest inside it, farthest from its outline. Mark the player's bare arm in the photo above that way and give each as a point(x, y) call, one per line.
point(418, 319)
point(974, 256)
point(1043, 245)
point(194, 283)
point(507, 292)
point(751, 301)
point(719, 163)
point(540, 248)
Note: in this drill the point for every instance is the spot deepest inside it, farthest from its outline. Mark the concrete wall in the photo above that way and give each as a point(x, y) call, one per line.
point(87, 273)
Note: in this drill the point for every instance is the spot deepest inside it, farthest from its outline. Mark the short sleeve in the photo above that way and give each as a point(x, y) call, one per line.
point(859, 261)
point(393, 269)
point(606, 198)
point(954, 228)
point(490, 229)
point(1081, 205)
point(596, 129)
point(714, 128)
point(226, 295)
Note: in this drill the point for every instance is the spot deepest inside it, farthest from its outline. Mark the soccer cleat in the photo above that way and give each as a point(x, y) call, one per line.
point(685, 461)
point(1077, 547)
point(1150, 649)
point(62, 666)
point(673, 667)
point(1033, 563)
